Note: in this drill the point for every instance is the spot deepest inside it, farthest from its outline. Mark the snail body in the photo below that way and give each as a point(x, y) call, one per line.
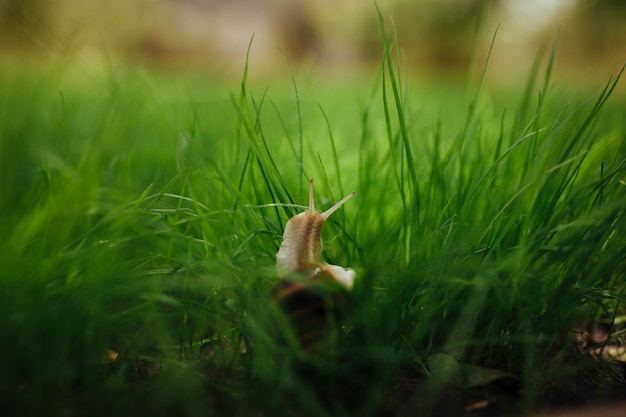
point(311, 292)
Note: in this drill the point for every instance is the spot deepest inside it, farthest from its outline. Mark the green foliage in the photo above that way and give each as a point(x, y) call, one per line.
point(140, 219)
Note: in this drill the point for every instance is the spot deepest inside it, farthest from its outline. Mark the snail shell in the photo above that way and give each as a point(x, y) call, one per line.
point(310, 291)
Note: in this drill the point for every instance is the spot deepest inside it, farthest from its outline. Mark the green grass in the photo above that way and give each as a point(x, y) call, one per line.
point(141, 214)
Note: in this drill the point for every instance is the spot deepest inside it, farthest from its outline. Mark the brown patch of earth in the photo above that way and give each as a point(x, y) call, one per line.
point(598, 391)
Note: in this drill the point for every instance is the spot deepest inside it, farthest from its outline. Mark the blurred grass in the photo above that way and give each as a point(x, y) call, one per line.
point(141, 213)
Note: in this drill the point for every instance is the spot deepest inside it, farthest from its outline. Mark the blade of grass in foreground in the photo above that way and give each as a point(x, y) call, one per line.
point(411, 205)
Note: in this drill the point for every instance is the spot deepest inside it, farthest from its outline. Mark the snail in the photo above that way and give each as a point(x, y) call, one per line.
point(311, 292)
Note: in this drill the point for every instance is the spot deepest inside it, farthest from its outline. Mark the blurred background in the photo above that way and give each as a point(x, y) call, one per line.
point(436, 36)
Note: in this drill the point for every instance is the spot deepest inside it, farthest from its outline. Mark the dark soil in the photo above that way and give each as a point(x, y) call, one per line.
point(413, 394)
point(598, 390)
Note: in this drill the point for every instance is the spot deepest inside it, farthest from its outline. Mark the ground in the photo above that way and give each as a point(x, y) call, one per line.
point(602, 388)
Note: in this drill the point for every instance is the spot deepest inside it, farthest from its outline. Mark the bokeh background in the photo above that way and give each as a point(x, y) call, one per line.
point(437, 37)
